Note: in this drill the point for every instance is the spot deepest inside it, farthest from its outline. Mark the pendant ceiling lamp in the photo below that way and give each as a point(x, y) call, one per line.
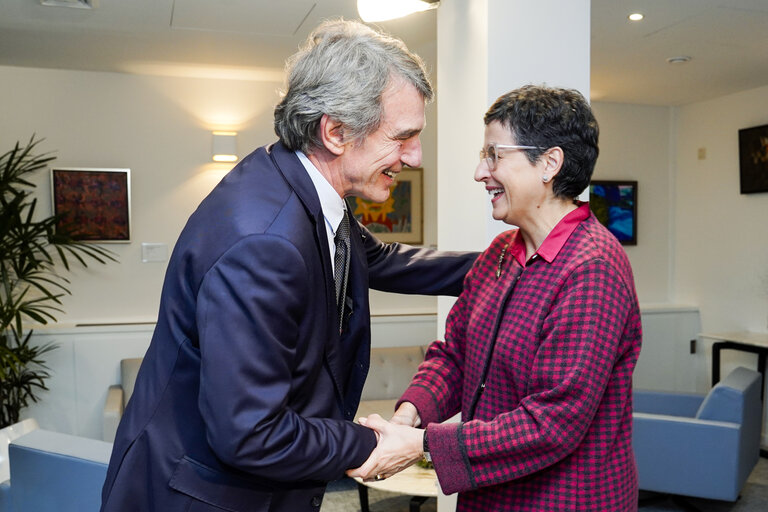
point(381, 10)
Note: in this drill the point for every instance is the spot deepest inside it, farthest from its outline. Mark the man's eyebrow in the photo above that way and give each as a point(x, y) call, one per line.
point(407, 134)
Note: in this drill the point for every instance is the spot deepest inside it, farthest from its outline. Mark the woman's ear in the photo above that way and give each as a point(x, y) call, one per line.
point(553, 159)
point(332, 135)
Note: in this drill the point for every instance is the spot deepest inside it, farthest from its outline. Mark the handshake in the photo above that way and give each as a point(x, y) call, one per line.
point(400, 444)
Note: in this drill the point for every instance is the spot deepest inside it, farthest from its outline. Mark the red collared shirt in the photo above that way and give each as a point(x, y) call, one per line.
point(555, 239)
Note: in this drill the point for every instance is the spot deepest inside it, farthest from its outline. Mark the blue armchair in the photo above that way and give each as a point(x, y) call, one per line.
point(56, 472)
point(699, 446)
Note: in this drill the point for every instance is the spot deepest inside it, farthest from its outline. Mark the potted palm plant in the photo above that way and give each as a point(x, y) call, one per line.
point(33, 257)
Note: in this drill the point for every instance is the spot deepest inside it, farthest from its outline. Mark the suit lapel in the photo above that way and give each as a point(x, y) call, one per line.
point(296, 175)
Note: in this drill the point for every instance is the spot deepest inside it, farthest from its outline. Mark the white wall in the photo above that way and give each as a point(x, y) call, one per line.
point(700, 242)
point(159, 127)
point(721, 243)
point(635, 144)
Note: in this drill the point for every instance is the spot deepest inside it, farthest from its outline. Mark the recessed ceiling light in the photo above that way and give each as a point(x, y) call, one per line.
point(681, 59)
point(636, 16)
point(77, 4)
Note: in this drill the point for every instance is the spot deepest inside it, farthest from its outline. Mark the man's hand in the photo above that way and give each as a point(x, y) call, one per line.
point(399, 446)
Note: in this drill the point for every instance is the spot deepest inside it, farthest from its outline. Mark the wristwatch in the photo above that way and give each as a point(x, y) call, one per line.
point(427, 455)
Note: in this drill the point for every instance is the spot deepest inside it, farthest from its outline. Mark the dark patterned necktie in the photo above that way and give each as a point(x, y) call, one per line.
point(341, 264)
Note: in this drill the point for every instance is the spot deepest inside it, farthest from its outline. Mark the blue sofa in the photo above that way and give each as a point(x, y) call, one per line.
point(55, 472)
point(699, 446)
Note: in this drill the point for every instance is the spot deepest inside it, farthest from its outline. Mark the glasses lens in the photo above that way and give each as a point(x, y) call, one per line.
point(484, 158)
point(490, 156)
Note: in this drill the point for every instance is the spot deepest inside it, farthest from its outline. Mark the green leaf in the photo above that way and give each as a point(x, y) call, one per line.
point(34, 256)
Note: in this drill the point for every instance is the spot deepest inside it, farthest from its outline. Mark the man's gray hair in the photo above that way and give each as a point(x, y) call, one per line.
point(342, 71)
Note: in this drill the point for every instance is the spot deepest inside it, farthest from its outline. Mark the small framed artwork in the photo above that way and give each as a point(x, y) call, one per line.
point(399, 218)
point(614, 203)
point(753, 159)
point(93, 205)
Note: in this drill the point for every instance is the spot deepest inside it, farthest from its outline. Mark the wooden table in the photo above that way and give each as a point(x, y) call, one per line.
point(754, 342)
point(415, 481)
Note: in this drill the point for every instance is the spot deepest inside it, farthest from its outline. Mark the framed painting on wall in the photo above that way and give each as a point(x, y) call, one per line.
point(614, 203)
point(92, 205)
point(399, 218)
point(753, 159)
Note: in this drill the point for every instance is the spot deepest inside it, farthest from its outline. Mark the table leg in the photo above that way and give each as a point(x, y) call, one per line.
point(716, 363)
point(761, 360)
point(362, 491)
point(416, 502)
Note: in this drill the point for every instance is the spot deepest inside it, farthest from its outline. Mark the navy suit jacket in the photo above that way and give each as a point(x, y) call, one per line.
point(245, 396)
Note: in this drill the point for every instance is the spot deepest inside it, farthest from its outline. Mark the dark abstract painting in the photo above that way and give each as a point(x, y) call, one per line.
point(92, 204)
point(753, 159)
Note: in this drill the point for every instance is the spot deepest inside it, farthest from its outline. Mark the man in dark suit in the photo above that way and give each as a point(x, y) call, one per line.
point(246, 397)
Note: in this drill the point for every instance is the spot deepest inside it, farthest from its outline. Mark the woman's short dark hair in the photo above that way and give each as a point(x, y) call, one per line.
point(342, 70)
point(546, 117)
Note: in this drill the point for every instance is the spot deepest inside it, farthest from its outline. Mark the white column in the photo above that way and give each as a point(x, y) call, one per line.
point(484, 49)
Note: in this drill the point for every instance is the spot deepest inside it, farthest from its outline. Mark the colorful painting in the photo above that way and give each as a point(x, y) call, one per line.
point(399, 218)
point(614, 203)
point(753, 159)
point(92, 205)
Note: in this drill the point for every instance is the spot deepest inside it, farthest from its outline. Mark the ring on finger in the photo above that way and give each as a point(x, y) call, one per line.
point(378, 478)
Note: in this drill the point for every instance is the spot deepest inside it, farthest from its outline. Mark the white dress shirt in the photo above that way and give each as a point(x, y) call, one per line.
point(332, 204)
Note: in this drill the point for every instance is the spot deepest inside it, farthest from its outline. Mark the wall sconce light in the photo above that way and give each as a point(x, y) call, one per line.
point(381, 10)
point(224, 147)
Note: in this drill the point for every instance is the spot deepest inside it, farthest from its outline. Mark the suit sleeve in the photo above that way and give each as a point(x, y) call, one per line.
point(401, 268)
point(250, 307)
point(436, 389)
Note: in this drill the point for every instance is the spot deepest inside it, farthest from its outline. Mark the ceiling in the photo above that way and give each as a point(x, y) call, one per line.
point(727, 41)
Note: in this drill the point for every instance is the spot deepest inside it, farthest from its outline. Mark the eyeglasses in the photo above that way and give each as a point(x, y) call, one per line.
point(491, 153)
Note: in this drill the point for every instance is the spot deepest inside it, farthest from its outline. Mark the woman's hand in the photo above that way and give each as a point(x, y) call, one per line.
point(407, 415)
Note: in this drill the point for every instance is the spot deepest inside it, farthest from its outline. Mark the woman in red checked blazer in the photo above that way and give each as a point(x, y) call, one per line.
point(541, 344)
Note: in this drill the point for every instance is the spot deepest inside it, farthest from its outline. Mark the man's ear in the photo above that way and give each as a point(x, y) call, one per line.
point(332, 135)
